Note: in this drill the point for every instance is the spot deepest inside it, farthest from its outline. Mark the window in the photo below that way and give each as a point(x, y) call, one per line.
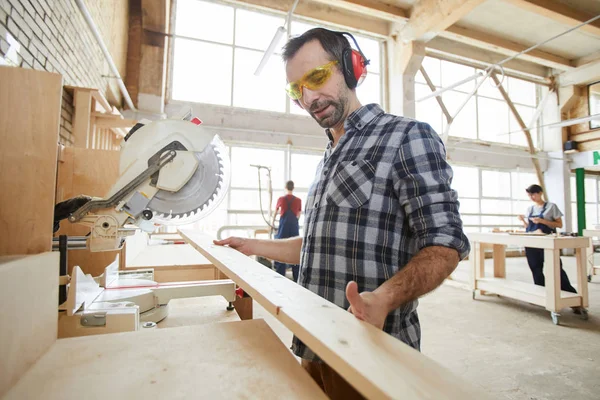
point(486, 115)
point(592, 206)
point(220, 46)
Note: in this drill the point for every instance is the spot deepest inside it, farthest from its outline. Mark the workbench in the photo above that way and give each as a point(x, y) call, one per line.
point(550, 296)
point(591, 268)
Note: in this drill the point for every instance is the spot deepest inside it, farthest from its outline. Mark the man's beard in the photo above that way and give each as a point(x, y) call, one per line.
point(334, 116)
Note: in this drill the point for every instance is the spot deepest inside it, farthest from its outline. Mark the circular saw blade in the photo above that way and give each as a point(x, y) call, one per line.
point(199, 191)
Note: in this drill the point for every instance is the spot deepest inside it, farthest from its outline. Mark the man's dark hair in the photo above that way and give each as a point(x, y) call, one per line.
point(534, 189)
point(333, 43)
point(289, 185)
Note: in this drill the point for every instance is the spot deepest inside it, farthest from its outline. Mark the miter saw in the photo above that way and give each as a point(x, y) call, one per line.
point(172, 172)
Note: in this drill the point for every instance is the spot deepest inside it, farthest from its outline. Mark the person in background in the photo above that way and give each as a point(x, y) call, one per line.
point(289, 207)
point(543, 217)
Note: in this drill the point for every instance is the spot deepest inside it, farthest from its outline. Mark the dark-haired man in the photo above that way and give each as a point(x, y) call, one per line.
point(382, 225)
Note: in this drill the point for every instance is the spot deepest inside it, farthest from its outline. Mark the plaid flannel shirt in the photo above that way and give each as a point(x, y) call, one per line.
point(379, 196)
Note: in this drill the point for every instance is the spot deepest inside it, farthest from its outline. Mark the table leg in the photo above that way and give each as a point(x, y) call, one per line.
point(589, 266)
point(582, 283)
point(552, 275)
point(499, 255)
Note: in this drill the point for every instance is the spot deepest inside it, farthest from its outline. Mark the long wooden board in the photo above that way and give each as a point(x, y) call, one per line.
point(375, 363)
point(28, 303)
point(232, 360)
point(541, 242)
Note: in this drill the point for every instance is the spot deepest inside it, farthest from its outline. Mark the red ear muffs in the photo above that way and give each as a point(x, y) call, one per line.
point(354, 64)
point(359, 66)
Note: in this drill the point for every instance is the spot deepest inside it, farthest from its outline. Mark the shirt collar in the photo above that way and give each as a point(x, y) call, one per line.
point(359, 118)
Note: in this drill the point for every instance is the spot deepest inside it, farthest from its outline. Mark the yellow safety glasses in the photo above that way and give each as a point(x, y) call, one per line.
point(313, 79)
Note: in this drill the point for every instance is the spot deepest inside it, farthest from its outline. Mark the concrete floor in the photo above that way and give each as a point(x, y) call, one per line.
point(509, 348)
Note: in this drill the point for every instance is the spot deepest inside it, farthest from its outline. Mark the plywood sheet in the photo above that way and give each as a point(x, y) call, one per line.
point(28, 304)
point(375, 363)
point(198, 311)
point(30, 104)
point(233, 360)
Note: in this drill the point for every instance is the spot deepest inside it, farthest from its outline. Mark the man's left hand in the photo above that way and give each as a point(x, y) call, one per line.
point(366, 306)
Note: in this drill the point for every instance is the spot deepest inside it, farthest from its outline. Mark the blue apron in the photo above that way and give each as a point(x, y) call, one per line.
point(288, 223)
point(534, 227)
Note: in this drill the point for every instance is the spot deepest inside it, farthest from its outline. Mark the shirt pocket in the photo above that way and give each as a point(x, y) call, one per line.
point(352, 183)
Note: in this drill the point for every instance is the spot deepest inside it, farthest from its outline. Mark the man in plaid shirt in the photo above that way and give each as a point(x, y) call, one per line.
point(382, 225)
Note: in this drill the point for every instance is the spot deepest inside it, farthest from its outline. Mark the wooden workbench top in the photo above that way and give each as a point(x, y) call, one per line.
point(538, 241)
point(231, 360)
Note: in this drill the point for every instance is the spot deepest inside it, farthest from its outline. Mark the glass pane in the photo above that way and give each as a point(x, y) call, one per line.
point(487, 220)
point(264, 92)
point(432, 68)
point(489, 89)
point(466, 181)
point(518, 138)
point(520, 181)
point(256, 29)
point(369, 90)
point(495, 184)
point(298, 28)
point(573, 189)
point(304, 167)
point(465, 123)
point(211, 223)
point(244, 175)
point(196, 80)
point(468, 206)
point(522, 92)
point(204, 20)
point(370, 49)
point(248, 200)
point(591, 215)
point(520, 207)
point(590, 190)
point(428, 110)
point(470, 220)
point(491, 206)
point(493, 120)
point(452, 73)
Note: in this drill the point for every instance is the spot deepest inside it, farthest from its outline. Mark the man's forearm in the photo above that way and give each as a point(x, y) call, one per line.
point(282, 250)
point(425, 272)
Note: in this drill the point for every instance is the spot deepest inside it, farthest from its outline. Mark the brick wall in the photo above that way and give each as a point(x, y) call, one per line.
point(52, 35)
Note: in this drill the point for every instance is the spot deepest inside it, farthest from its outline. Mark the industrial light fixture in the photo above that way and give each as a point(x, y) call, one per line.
point(275, 41)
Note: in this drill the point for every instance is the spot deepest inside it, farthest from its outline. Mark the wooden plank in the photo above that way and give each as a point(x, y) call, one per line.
point(370, 8)
point(82, 104)
point(499, 254)
point(585, 74)
point(500, 45)
point(582, 282)
point(586, 136)
point(540, 242)
point(30, 104)
point(115, 123)
point(552, 275)
point(171, 255)
point(28, 302)
point(527, 292)
point(559, 12)
point(375, 363)
point(233, 360)
point(198, 311)
point(89, 172)
point(429, 17)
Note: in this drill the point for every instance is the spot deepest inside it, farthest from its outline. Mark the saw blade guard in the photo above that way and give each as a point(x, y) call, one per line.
point(202, 194)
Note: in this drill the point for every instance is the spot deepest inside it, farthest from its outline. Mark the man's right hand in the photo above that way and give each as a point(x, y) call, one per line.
point(244, 246)
point(522, 218)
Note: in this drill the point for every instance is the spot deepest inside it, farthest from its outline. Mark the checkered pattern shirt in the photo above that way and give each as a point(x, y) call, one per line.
point(379, 196)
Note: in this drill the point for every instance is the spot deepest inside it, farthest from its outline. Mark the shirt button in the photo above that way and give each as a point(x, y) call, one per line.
point(316, 204)
point(353, 163)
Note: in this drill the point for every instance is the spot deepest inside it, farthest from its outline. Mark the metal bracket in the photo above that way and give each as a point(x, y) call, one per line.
point(93, 319)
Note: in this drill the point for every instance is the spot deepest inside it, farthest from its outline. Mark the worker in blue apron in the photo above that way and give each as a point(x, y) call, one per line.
point(535, 222)
point(288, 227)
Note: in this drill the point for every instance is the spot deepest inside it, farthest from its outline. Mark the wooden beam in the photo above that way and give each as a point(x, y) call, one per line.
point(430, 17)
point(82, 101)
point(409, 57)
point(112, 123)
point(559, 12)
point(586, 136)
point(489, 42)
point(586, 74)
point(439, 97)
point(589, 146)
point(463, 53)
point(535, 161)
point(375, 363)
point(370, 8)
point(324, 13)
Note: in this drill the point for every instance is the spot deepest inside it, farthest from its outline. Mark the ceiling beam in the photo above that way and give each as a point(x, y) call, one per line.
point(370, 8)
point(486, 41)
point(429, 17)
point(560, 13)
point(450, 50)
point(324, 13)
point(587, 73)
point(586, 59)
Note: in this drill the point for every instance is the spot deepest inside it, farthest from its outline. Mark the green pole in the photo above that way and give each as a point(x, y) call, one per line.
point(580, 184)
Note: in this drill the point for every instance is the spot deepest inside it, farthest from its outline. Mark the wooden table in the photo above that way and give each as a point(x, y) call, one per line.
point(550, 297)
point(591, 268)
point(232, 360)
